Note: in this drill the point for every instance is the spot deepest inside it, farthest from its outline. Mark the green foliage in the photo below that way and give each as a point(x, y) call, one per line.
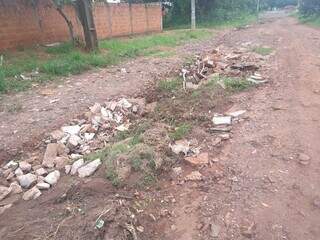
point(235, 84)
point(64, 59)
point(170, 85)
point(180, 132)
point(309, 7)
point(208, 11)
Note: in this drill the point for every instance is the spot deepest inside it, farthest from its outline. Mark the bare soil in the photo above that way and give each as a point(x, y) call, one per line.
point(258, 189)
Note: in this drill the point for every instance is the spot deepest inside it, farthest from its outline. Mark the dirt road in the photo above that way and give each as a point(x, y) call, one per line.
point(263, 186)
point(269, 193)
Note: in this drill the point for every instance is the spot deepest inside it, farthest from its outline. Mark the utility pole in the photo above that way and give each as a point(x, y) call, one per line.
point(193, 14)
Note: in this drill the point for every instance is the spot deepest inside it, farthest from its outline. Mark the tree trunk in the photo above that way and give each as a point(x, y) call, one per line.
point(84, 10)
point(193, 14)
point(69, 23)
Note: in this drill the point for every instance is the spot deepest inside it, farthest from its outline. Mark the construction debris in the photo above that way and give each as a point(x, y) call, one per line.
point(225, 61)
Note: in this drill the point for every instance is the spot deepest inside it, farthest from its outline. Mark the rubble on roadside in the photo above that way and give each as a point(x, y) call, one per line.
point(66, 147)
point(240, 62)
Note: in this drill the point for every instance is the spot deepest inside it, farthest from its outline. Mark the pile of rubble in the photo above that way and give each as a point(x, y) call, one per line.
point(65, 149)
point(241, 63)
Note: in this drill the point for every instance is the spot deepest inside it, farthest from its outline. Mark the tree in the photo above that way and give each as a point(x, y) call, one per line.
point(59, 7)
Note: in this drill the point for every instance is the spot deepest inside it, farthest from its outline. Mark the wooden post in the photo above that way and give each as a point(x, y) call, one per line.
point(87, 21)
point(193, 14)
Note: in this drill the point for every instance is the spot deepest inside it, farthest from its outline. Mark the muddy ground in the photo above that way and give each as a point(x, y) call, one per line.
point(257, 189)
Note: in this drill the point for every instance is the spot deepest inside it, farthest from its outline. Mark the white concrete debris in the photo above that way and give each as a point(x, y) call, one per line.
point(88, 169)
point(221, 120)
point(67, 169)
point(43, 186)
point(41, 172)
point(25, 166)
point(53, 177)
point(76, 165)
point(180, 147)
point(72, 130)
point(18, 172)
point(32, 193)
point(27, 180)
point(15, 188)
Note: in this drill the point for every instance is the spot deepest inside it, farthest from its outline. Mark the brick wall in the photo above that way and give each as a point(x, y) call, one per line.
point(22, 25)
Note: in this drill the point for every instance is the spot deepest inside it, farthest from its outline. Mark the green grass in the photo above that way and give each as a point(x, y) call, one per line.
point(170, 85)
point(264, 51)
point(64, 60)
point(235, 84)
point(313, 20)
point(180, 132)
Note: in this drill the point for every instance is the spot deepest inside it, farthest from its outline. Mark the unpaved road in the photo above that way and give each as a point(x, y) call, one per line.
point(268, 193)
point(263, 191)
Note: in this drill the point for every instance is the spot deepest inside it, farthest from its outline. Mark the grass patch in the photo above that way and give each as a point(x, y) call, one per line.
point(235, 84)
point(64, 59)
point(170, 85)
point(180, 132)
point(264, 51)
point(312, 20)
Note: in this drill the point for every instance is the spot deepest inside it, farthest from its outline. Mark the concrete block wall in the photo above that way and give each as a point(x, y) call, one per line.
point(22, 25)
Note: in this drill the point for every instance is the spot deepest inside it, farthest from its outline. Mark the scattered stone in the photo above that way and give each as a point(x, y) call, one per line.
point(50, 155)
point(76, 165)
point(12, 165)
point(123, 103)
point(180, 147)
point(15, 188)
point(221, 120)
point(10, 176)
point(4, 192)
point(43, 186)
point(41, 172)
point(72, 130)
point(89, 169)
point(304, 159)
point(201, 159)
point(194, 176)
point(57, 135)
point(123, 128)
point(18, 172)
point(221, 129)
point(96, 108)
point(27, 180)
point(75, 156)
point(74, 141)
point(89, 136)
point(33, 193)
point(135, 109)
point(215, 230)
point(61, 162)
point(6, 172)
point(67, 169)
point(25, 166)
point(53, 177)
